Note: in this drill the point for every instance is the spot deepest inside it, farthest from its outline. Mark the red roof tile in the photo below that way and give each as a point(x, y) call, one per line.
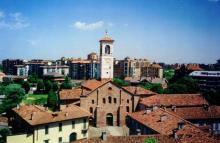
point(138, 90)
point(36, 115)
point(174, 99)
point(72, 93)
point(186, 134)
point(93, 84)
point(197, 112)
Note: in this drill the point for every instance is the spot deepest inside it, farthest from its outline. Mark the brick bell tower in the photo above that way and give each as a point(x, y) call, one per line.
point(106, 57)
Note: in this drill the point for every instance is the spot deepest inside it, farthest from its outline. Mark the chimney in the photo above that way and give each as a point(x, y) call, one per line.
point(147, 111)
point(104, 135)
point(18, 107)
point(163, 118)
point(66, 114)
point(138, 132)
point(155, 107)
point(32, 115)
point(173, 108)
point(46, 108)
point(206, 107)
point(175, 134)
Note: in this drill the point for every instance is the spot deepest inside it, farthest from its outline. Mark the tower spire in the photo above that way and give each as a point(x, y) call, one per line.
point(106, 32)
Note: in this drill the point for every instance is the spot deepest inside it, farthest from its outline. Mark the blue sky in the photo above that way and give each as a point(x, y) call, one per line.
point(160, 30)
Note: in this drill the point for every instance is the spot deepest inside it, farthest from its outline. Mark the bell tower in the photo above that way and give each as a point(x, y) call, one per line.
point(106, 57)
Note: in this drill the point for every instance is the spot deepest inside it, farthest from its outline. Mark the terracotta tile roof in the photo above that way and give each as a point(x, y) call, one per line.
point(36, 115)
point(192, 134)
point(156, 66)
point(72, 93)
point(197, 112)
point(2, 74)
point(3, 119)
point(174, 99)
point(93, 84)
point(193, 67)
point(128, 78)
point(152, 120)
point(128, 139)
point(138, 90)
point(81, 61)
point(106, 39)
point(170, 123)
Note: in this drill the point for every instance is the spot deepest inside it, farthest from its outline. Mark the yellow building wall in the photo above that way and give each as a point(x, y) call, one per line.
point(23, 138)
point(53, 133)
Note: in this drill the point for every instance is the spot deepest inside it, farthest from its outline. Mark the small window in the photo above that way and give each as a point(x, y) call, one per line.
point(73, 124)
point(110, 100)
point(115, 100)
point(60, 140)
point(46, 141)
point(91, 110)
point(127, 100)
point(60, 127)
point(103, 100)
point(84, 123)
point(127, 108)
point(46, 129)
point(93, 101)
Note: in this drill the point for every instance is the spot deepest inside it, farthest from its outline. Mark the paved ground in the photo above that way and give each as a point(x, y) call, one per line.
point(110, 130)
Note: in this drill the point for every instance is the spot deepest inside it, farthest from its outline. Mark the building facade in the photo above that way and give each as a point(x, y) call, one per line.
point(9, 66)
point(34, 124)
point(106, 57)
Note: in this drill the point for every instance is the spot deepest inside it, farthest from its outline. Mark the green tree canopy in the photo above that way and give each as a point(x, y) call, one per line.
point(120, 82)
point(26, 86)
point(4, 133)
point(14, 95)
point(185, 85)
point(55, 86)
point(33, 78)
point(52, 100)
point(48, 86)
point(67, 84)
point(150, 140)
point(40, 85)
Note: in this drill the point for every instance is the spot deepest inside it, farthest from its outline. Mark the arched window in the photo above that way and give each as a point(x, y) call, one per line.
point(103, 100)
point(115, 100)
point(109, 119)
point(109, 99)
point(107, 49)
point(127, 108)
point(91, 110)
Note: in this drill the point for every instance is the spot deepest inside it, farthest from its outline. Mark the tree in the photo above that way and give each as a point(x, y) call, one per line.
point(52, 100)
point(150, 140)
point(176, 89)
point(157, 88)
point(183, 85)
point(119, 82)
point(14, 95)
point(55, 86)
point(26, 86)
point(40, 85)
point(67, 84)
point(48, 86)
point(4, 133)
point(33, 78)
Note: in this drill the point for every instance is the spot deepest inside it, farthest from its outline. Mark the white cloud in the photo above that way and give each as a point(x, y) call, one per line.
point(13, 21)
point(110, 24)
point(88, 26)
